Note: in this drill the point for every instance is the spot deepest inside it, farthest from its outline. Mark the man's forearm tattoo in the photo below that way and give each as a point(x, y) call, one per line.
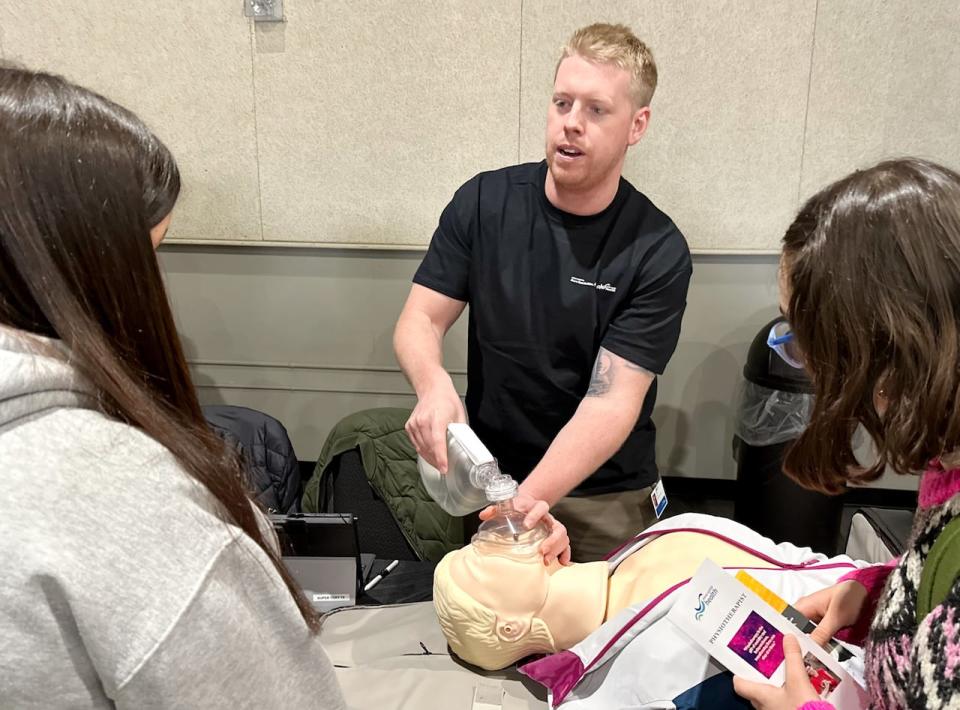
point(604, 369)
point(602, 378)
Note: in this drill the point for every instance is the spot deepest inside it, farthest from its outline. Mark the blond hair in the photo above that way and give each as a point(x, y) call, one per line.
point(602, 43)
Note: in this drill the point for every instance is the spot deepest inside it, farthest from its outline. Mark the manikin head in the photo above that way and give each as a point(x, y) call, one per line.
point(497, 602)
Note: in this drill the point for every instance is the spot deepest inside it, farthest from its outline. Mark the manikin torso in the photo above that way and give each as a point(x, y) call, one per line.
point(667, 560)
point(572, 601)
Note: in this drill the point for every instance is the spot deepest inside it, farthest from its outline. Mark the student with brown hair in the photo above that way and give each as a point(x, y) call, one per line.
point(870, 284)
point(136, 571)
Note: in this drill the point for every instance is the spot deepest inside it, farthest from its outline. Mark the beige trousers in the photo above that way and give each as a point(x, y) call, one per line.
point(598, 524)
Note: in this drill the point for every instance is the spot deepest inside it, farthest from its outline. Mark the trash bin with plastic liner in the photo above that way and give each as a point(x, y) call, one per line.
point(775, 403)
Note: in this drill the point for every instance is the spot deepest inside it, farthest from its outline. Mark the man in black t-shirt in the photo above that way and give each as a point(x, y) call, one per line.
point(577, 284)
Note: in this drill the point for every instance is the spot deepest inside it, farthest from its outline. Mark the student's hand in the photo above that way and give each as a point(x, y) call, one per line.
point(833, 608)
point(557, 544)
point(427, 425)
point(796, 689)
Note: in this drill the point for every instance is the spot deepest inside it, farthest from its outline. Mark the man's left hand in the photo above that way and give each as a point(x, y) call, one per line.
point(557, 544)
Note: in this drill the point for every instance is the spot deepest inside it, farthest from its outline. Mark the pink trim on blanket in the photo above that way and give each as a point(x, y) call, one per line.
point(755, 553)
point(573, 673)
point(559, 672)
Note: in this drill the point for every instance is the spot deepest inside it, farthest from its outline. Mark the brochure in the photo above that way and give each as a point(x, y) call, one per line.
point(745, 634)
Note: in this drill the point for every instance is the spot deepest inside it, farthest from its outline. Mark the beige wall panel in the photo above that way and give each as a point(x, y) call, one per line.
point(729, 301)
point(372, 114)
point(301, 307)
point(185, 68)
point(885, 83)
point(303, 334)
point(722, 155)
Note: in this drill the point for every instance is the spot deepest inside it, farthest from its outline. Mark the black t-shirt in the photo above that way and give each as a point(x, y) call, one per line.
point(546, 290)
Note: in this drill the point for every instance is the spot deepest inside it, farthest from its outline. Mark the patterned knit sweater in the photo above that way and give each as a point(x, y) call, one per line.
point(910, 665)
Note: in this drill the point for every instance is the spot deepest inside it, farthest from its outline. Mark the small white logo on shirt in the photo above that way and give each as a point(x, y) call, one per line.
point(600, 287)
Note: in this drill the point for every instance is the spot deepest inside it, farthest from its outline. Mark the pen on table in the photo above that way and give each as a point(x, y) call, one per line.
point(376, 580)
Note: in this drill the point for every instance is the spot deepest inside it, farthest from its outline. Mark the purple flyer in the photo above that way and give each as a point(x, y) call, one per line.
point(759, 644)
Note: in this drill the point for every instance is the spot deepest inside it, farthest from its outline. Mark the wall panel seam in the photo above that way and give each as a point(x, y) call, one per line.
point(806, 110)
point(362, 248)
point(520, 86)
point(324, 390)
point(306, 366)
point(256, 125)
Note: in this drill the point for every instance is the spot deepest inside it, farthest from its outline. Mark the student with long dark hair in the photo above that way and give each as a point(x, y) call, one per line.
point(870, 284)
point(135, 570)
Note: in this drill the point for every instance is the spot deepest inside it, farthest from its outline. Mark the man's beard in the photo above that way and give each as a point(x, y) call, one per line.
point(580, 179)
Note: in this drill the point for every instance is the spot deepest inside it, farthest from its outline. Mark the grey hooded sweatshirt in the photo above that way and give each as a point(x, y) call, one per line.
point(119, 587)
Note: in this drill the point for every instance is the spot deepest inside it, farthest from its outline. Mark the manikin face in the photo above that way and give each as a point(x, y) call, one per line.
point(496, 607)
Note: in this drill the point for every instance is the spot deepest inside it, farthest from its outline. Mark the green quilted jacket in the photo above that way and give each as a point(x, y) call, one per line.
point(390, 462)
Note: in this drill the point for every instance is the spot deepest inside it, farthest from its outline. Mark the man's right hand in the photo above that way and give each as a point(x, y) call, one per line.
point(427, 426)
point(557, 545)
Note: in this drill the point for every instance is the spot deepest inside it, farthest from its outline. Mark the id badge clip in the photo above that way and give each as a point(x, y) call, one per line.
point(659, 499)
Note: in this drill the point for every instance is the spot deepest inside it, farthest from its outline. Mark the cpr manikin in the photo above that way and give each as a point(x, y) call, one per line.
point(497, 602)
